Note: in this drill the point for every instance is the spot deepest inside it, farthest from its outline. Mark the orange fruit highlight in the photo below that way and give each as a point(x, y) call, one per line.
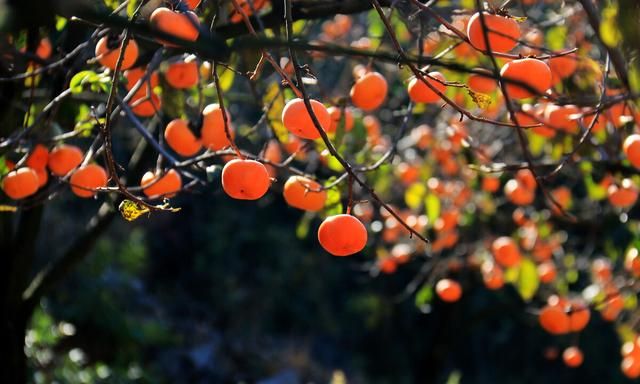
point(623, 195)
point(298, 193)
point(181, 25)
point(420, 92)
point(181, 139)
point(245, 179)
point(505, 251)
point(108, 50)
point(182, 74)
point(38, 157)
point(21, 183)
point(297, 119)
point(160, 186)
point(572, 357)
point(369, 91)
point(86, 179)
point(563, 117)
point(214, 136)
point(448, 290)
point(63, 158)
point(342, 235)
point(532, 73)
point(631, 149)
point(554, 320)
point(336, 119)
point(502, 32)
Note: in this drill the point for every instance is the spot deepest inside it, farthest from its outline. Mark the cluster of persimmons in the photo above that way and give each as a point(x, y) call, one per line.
point(526, 80)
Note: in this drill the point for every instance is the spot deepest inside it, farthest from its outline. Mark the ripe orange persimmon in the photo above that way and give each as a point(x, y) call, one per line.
point(299, 192)
point(505, 251)
point(482, 84)
point(342, 235)
point(181, 139)
point(579, 316)
point(336, 118)
point(181, 25)
point(547, 272)
point(631, 366)
point(38, 157)
point(572, 357)
point(623, 195)
point(297, 119)
point(490, 184)
point(387, 265)
point(191, 4)
point(133, 75)
point(502, 32)
point(214, 136)
point(182, 74)
point(533, 74)
point(245, 179)
point(43, 176)
point(63, 158)
point(44, 49)
point(420, 92)
point(21, 183)
point(553, 319)
point(235, 16)
point(526, 179)
point(517, 193)
point(563, 66)
point(492, 276)
point(564, 117)
point(145, 106)
point(631, 148)
point(108, 50)
point(369, 91)
point(448, 290)
point(86, 179)
point(160, 186)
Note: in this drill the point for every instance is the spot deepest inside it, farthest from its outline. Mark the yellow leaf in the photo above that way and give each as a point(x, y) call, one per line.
point(8, 208)
point(131, 210)
point(482, 101)
point(609, 31)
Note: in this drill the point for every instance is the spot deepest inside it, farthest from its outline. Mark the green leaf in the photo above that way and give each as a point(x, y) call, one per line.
point(432, 204)
point(302, 229)
point(80, 79)
point(333, 205)
point(525, 278)
point(424, 295)
point(376, 27)
point(556, 37)
point(226, 77)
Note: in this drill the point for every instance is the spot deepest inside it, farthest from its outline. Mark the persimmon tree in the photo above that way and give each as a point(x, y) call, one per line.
point(495, 138)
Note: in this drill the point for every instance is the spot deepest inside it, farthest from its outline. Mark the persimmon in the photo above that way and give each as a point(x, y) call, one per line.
point(297, 119)
point(563, 66)
point(572, 357)
point(631, 149)
point(632, 261)
point(145, 106)
point(531, 73)
point(553, 319)
point(401, 252)
point(601, 270)
point(505, 251)
point(184, 26)
point(191, 4)
point(342, 235)
point(372, 126)
point(447, 221)
point(63, 158)
point(481, 83)
point(161, 185)
point(502, 32)
point(133, 75)
point(407, 173)
point(612, 308)
point(245, 179)
point(20, 183)
point(623, 195)
point(247, 8)
point(547, 272)
point(579, 316)
point(517, 193)
point(181, 139)
point(43, 176)
point(369, 91)
point(86, 179)
point(490, 184)
point(38, 157)
point(526, 179)
point(631, 367)
point(182, 74)
point(448, 290)
point(108, 50)
point(420, 92)
point(387, 265)
point(273, 154)
point(300, 192)
point(44, 49)
point(492, 276)
point(213, 134)
point(564, 117)
point(336, 119)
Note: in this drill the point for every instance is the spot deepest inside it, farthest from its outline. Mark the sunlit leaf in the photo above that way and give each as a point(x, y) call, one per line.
point(432, 204)
point(480, 99)
point(525, 278)
point(414, 195)
point(131, 210)
point(609, 31)
point(8, 208)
